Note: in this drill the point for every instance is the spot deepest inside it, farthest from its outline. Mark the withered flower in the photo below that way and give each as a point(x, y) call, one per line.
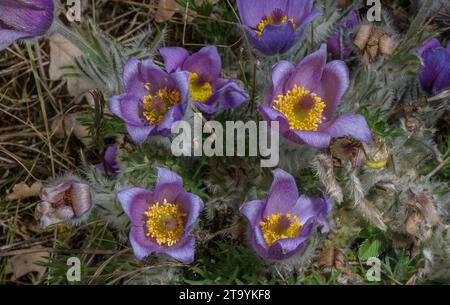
point(67, 201)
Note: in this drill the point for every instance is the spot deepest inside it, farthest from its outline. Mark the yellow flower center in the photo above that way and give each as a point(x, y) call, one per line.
point(302, 108)
point(271, 20)
point(157, 105)
point(279, 226)
point(165, 223)
point(200, 92)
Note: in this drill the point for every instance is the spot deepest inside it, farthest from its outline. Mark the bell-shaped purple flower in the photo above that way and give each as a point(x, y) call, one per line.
point(208, 90)
point(435, 69)
point(21, 19)
point(66, 202)
point(153, 100)
point(162, 219)
point(110, 165)
point(338, 44)
point(274, 26)
point(280, 225)
point(304, 100)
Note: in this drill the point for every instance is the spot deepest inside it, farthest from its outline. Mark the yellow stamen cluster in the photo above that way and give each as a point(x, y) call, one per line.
point(279, 226)
point(157, 105)
point(269, 20)
point(292, 105)
point(165, 223)
point(199, 92)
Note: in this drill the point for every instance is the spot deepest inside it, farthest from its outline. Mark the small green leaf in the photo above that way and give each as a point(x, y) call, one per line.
point(371, 247)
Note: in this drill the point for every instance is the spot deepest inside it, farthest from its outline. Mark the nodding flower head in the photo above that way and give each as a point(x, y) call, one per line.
point(68, 201)
point(109, 165)
point(275, 26)
point(162, 219)
point(207, 89)
point(22, 19)
point(338, 44)
point(280, 225)
point(435, 69)
point(304, 100)
point(153, 100)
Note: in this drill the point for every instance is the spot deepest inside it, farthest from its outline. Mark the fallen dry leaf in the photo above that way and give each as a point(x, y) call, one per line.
point(24, 264)
point(70, 124)
point(22, 191)
point(62, 54)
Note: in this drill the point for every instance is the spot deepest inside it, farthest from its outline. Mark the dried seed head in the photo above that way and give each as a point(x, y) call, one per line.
point(344, 149)
point(422, 215)
point(413, 124)
point(373, 41)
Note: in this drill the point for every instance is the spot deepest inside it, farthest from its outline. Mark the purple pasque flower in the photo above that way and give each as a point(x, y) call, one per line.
point(208, 90)
point(110, 165)
point(280, 225)
point(162, 219)
point(435, 69)
point(274, 26)
point(21, 19)
point(304, 100)
point(68, 201)
point(337, 44)
point(153, 100)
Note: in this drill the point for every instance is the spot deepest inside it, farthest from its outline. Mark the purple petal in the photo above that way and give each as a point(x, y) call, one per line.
point(282, 195)
point(257, 42)
point(192, 205)
point(354, 126)
point(131, 78)
point(8, 37)
point(442, 82)
point(135, 202)
point(142, 245)
point(299, 10)
point(173, 115)
point(206, 63)
point(313, 209)
point(287, 247)
point(168, 185)
point(429, 45)
point(31, 17)
point(269, 114)
point(335, 81)
point(280, 73)
point(228, 96)
point(253, 210)
point(309, 72)
point(110, 157)
point(139, 134)
point(81, 198)
point(183, 251)
point(251, 11)
point(111, 153)
point(434, 62)
point(277, 39)
point(180, 81)
point(316, 139)
point(127, 107)
point(150, 73)
point(174, 57)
